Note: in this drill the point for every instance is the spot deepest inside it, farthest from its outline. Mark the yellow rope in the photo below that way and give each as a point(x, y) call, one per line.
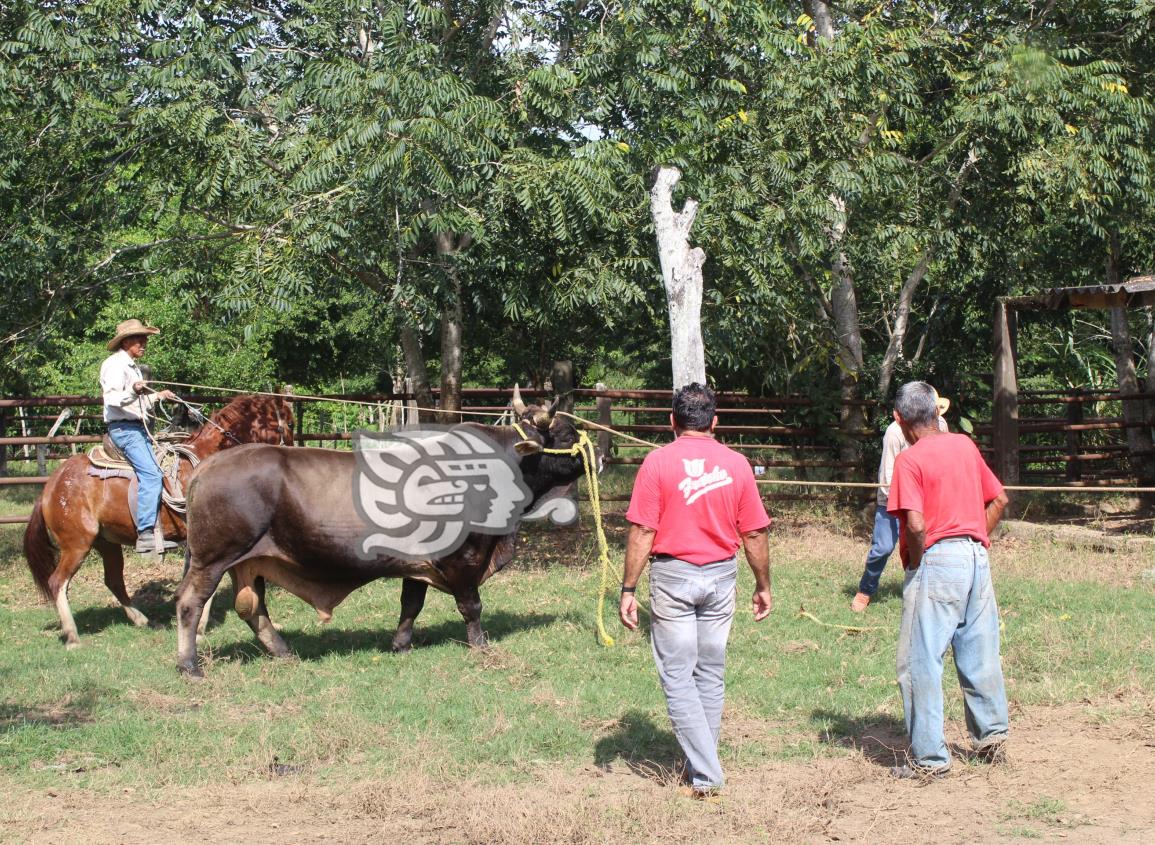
point(588, 452)
point(854, 629)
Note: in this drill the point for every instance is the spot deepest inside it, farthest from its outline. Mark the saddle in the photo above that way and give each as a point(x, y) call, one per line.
point(109, 462)
point(106, 455)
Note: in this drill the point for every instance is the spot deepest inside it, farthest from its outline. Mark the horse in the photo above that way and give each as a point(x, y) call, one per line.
point(77, 512)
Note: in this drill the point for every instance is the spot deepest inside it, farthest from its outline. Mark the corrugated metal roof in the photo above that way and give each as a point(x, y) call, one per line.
point(1136, 291)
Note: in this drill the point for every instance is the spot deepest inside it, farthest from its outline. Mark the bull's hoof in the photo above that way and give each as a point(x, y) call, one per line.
point(191, 671)
point(401, 648)
point(71, 645)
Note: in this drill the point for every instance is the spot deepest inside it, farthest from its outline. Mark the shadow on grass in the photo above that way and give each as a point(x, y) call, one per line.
point(154, 599)
point(311, 645)
point(881, 739)
point(889, 589)
point(648, 750)
point(72, 710)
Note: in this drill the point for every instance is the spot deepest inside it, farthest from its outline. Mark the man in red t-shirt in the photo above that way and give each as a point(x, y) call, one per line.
point(947, 501)
point(694, 502)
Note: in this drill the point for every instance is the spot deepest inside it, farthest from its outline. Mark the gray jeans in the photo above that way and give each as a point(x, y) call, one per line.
point(692, 608)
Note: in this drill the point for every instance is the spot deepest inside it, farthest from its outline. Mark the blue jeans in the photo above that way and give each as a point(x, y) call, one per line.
point(882, 543)
point(131, 439)
point(692, 607)
point(950, 601)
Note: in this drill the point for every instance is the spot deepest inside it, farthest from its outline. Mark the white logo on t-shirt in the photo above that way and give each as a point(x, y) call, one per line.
point(698, 482)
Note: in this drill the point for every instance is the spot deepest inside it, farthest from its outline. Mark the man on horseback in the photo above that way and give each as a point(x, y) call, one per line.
point(128, 400)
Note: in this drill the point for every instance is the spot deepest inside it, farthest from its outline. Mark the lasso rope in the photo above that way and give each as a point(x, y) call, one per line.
point(588, 452)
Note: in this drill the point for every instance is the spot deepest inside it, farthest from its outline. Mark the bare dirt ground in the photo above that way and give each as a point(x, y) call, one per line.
point(1080, 773)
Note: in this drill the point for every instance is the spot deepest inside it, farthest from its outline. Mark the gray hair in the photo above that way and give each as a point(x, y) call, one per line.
point(915, 403)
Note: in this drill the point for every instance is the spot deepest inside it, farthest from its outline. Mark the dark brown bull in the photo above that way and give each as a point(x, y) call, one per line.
point(266, 513)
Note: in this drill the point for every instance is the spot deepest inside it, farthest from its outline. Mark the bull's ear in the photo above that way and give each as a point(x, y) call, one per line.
point(527, 447)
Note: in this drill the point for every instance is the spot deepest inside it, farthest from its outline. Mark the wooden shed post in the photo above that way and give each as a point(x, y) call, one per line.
point(1006, 396)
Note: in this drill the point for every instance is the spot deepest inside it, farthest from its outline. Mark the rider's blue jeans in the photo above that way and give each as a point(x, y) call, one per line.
point(130, 438)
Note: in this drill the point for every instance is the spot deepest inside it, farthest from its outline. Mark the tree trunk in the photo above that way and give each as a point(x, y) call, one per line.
point(452, 319)
point(848, 333)
point(910, 286)
point(562, 379)
point(1138, 440)
point(819, 12)
point(415, 366)
point(682, 274)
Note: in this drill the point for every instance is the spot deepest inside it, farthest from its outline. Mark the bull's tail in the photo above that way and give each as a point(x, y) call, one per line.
point(38, 550)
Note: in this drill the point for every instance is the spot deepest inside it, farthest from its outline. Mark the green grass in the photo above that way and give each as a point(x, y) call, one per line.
point(115, 713)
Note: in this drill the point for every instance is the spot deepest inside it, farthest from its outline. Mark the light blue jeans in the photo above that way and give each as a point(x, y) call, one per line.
point(882, 543)
point(950, 601)
point(692, 607)
point(131, 439)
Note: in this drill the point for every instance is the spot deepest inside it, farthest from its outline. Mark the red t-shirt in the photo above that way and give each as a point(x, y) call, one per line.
point(699, 496)
point(944, 478)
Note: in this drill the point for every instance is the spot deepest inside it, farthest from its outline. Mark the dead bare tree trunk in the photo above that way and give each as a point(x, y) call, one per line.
point(682, 274)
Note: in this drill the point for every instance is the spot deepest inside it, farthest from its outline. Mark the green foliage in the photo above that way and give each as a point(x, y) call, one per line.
point(282, 181)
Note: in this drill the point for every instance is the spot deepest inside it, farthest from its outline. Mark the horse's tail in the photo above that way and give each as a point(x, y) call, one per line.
point(38, 550)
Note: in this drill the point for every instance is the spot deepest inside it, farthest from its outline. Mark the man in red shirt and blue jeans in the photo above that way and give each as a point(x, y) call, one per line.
point(694, 502)
point(947, 501)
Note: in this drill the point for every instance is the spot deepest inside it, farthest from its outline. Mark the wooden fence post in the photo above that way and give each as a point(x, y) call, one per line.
point(606, 418)
point(3, 449)
point(1075, 438)
point(1006, 397)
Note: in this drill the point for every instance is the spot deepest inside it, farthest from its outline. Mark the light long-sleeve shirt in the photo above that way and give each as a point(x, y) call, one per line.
point(118, 374)
point(893, 442)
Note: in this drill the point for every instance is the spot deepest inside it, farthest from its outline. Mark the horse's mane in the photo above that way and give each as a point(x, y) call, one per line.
point(253, 418)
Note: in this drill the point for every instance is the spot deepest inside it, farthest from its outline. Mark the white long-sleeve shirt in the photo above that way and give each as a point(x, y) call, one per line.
point(893, 442)
point(118, 374)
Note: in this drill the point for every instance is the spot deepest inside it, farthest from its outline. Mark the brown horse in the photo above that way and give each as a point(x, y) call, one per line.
point(77, 511)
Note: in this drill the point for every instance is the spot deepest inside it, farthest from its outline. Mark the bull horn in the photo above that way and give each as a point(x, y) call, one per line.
point(543, 417)
point(518, 406)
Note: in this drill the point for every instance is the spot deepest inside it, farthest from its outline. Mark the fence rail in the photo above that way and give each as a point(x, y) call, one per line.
point(1085, 443)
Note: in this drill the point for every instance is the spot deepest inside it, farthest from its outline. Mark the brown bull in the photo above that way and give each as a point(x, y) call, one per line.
point(266, 513)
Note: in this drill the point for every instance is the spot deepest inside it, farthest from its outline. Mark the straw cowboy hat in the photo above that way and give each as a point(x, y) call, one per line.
point(127, 329)
point(942, 404)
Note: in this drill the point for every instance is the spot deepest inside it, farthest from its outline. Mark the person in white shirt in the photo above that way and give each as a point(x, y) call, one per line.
point(128, 400)
point(885, 535)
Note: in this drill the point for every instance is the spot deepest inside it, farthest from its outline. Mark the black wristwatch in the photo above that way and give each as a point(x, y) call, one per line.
point(626, 589)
